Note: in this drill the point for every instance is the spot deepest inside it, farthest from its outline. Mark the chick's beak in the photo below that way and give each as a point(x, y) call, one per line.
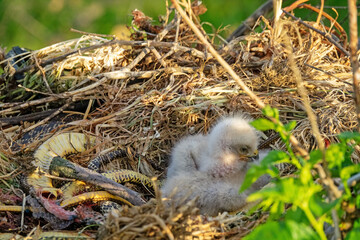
point(254, 156)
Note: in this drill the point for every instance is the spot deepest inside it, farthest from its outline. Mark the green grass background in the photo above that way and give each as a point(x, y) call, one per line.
point(38, 23)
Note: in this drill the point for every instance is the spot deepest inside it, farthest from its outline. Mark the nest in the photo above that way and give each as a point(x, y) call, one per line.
point(146, 93)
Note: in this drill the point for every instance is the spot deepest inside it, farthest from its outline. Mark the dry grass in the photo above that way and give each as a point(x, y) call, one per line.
point(174, 91)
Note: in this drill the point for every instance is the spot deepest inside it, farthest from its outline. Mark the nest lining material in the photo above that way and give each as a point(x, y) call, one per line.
point(150, 94)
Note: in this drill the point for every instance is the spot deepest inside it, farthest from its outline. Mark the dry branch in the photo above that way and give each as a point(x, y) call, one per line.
point(353, 55)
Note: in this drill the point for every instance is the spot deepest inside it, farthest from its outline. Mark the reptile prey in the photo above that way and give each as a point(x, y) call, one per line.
point(49, 160)
point(60, 145)
point(120, 176)
point(95, 163)
point(97, 196)
point(63, 168)
point(50, 153)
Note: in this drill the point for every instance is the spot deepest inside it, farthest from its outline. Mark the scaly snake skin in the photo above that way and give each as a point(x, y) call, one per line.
point(49, 161)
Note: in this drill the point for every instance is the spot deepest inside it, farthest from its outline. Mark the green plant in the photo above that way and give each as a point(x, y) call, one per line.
point(300, 206)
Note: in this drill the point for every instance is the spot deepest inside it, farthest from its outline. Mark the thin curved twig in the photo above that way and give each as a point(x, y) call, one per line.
point(248, 24)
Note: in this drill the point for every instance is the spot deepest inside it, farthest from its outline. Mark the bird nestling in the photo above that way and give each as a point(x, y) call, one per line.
point(212, 167)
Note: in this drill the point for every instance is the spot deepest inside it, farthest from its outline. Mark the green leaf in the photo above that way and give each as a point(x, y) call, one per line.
point(305, 174)
point(263, 124)
point(271, 112)
point(290, 126)
point(275, 157)
point(297, 215)
point(287, 190)
point(346, 172)
point(335, 155)
point(266, 167)
point(346, 136)
point(315, 157)
point(354, 234)
point(254, 173)
point(283, 230)
point(319, 207)
point(357, 201)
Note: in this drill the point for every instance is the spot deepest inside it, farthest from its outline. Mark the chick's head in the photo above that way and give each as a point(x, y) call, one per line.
point(232, 146)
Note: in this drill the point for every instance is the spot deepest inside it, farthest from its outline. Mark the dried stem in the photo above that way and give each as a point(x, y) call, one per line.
point(324, 174)
point(353, 56)
point(304, 95)
point(249, 23)
point(43, 74)
point(320, 13)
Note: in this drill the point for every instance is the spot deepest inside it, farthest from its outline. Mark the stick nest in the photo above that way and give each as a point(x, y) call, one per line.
point(146, 93)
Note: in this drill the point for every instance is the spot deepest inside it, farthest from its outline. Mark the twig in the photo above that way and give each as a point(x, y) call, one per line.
point(161, 222)
point(91, 101)
point(63, 168)
point(327, 73)
point(277, 13)
point(350, 182)
point(299, 3)
point(92, 34)
point(323, 171)
point(11, 174)
point(121, 74)
point(232, 73)
point(135, 62)
point(29, 117)
point(177, 27)
point(142, 32)
point(158, 56)
point(35, 91)
point(59, 178)
point(249, 23)
point(353, 25)
point(326, 35)
point(23, 212)
point(43, 74)
point(304, 95)
point(320, 13)
point(332, 20)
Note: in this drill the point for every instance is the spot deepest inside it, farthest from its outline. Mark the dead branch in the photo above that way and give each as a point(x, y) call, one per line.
point(249, 23)
point(353, 55)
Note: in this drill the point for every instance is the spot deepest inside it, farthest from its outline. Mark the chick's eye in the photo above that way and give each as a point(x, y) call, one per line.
point(244, 149)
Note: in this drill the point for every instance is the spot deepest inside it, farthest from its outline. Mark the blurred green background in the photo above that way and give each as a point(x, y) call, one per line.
point(38, 23)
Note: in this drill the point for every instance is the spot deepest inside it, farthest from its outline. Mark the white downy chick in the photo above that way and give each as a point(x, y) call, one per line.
point(222, 158)
point(185, 155)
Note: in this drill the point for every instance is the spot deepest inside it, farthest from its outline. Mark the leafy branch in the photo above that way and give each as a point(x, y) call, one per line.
point(301, 199)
